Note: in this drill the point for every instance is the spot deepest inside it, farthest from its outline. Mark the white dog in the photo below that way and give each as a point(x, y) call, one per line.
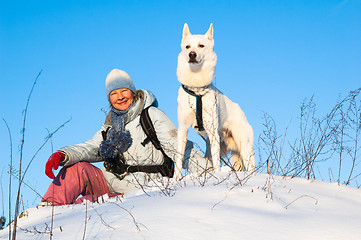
point(217, 119)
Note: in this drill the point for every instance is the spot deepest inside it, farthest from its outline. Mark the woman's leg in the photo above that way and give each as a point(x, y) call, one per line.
point(81, 178)
point(117, 186)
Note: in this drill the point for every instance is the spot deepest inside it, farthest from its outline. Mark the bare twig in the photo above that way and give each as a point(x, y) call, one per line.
point(86, 213)
point(132, 216)
point(102, 220)
point(338, 131)
point(10, 173)
point(52, 207)
point(45, 141)
point(316, 201)
point(21, 156)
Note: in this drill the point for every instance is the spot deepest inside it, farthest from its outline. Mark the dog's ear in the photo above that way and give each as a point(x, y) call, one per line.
point(186, 32)
point(209, 33)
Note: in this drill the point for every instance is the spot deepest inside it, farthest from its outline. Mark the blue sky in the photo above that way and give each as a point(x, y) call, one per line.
point(271, 55)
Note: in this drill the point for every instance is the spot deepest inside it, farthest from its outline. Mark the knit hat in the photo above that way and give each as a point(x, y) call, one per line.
point(118, 79)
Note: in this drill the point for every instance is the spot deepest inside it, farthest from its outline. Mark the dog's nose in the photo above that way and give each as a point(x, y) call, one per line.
point(192, 55)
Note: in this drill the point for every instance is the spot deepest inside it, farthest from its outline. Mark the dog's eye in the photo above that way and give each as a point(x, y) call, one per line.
point(201, 46)
point(188, 46)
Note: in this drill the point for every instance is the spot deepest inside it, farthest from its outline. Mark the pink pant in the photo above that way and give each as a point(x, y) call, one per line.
point(82, 178)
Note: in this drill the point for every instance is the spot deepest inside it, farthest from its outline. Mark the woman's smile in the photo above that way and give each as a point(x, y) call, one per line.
point(121, 98)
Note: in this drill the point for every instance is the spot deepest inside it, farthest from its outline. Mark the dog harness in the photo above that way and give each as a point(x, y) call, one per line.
point(199, 116)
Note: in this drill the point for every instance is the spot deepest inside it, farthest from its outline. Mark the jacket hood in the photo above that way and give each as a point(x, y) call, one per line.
point(148, 98)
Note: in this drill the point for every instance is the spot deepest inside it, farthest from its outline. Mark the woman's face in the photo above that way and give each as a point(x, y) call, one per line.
point(121, 98)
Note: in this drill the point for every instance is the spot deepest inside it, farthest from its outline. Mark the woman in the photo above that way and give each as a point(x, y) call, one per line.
point(119, 143)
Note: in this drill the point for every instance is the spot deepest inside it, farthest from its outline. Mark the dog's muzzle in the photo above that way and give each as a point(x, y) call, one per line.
point(192, 57)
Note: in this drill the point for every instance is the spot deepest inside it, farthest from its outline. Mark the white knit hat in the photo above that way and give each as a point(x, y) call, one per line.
point(118, 79)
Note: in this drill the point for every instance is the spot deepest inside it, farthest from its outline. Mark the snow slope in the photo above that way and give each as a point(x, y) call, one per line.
point(226, 205)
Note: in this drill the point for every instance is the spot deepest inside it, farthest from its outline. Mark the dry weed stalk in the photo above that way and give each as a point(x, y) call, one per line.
point(10, 174)
point(137, 224)
point(321, 139)
point(21, 157)
point(316, 201)
point(19, 173)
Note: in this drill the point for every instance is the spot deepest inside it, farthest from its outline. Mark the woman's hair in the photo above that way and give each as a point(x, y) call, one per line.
point(136, 95)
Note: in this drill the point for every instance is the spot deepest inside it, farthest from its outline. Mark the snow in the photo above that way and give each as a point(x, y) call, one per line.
point(223, 205)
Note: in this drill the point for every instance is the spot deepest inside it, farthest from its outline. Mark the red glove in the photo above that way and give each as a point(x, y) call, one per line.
point(53, 163)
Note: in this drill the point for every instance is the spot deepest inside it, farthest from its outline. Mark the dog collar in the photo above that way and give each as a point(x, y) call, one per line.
point(198, 90)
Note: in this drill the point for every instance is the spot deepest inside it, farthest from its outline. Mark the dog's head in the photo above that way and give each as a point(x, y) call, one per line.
point(196, 47)
point(196, 58)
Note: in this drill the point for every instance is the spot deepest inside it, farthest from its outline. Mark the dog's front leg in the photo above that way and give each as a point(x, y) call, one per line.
point(181, 144)
point(185, 119)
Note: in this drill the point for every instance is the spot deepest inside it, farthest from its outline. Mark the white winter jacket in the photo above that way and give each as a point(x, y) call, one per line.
point(137, 154)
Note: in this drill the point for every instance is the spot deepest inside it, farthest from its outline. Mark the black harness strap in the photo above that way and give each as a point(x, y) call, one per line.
point(167, 168)
point(199, 116)
point(149, 130)
point(121, 169)
point(146, 169)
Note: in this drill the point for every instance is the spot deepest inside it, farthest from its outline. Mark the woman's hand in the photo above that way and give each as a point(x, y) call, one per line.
point(53, 163)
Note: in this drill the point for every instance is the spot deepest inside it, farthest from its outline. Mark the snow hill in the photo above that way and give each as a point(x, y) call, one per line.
point(225, 205)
